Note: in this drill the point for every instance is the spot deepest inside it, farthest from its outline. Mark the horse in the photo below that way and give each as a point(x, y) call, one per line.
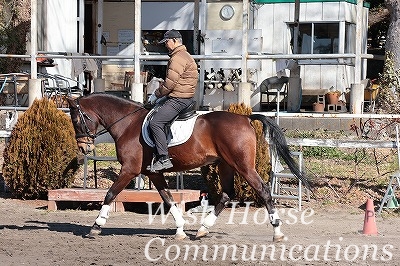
point(218, 137)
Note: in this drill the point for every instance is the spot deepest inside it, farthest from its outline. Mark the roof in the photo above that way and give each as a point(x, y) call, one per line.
point(366, 4)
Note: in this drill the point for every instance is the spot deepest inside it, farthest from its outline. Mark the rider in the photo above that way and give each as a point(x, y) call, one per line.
point(179, 88)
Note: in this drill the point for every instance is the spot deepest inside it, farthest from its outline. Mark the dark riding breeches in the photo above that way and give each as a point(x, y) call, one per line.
point(165, 114)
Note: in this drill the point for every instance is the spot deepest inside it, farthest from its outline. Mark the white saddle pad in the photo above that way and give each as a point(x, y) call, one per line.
point(181, 130)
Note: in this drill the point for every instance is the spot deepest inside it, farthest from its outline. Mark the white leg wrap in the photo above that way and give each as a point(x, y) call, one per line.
point(179, 231)
point(273, 217)
point(103, 215)
point(176, 213)
point(209, 220)
point(277, 231)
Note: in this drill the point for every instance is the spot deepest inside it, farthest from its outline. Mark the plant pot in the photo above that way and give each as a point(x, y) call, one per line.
point(318, 107)
point(332, 97)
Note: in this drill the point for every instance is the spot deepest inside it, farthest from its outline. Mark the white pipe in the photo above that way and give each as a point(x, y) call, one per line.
point(138, 40)
point(357, 64)
point(245, 22)
point(33, 38)
point(81, 26)
point(137, 86)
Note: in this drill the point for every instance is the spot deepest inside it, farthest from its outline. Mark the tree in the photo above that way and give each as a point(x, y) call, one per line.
point(393, 33)
point(14, 29)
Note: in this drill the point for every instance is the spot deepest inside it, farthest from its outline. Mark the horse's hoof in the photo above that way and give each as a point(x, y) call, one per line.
point(202, 233)
point(89, 236)
point(279, 238)
point(180, 236)
point(94, 231)
point(92, 234)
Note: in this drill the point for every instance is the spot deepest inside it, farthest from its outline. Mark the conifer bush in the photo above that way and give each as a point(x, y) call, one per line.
point(243, 191)
point(42, 153)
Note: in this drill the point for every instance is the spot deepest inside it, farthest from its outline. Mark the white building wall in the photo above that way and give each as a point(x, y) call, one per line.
point(155, 16)
point(61, 33)
point(270, 22)
point(173, 15)
point(272, 19)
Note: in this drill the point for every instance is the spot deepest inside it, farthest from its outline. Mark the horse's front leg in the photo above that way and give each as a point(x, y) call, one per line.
point(159, 182)
point(176, 213)
point(119, 184)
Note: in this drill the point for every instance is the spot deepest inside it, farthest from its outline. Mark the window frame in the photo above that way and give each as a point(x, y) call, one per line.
point(346, 42)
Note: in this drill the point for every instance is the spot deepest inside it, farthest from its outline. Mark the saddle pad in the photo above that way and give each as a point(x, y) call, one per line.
point(181, 130)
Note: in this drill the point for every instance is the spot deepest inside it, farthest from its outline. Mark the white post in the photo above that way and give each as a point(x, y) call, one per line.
point(356, 98)
point(245, 19)
point(137, 86)
point(359, 24)
point(357, 89)
point(244, 93)
point(35, 91)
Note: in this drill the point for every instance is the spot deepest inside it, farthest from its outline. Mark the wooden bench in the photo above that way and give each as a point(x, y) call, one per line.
point(127, 195)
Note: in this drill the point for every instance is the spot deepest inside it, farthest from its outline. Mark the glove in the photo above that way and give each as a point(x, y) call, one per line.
point(152, 99)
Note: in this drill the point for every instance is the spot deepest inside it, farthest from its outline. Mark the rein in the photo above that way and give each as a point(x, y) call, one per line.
point(84, 115)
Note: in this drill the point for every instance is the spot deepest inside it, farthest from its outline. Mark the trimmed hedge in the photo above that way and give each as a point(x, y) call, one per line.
point(42, 153)
point(243, 191)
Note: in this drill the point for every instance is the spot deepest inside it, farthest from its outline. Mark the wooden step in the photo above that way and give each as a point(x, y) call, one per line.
point(127, 195)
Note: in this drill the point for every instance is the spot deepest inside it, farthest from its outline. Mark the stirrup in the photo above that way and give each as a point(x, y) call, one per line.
point(151, 166)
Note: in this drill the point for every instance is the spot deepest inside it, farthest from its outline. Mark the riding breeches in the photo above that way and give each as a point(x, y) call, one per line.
point(165, 114)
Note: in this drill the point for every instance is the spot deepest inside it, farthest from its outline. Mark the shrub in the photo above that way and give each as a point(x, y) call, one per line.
point(243, 191)
point(41, 153)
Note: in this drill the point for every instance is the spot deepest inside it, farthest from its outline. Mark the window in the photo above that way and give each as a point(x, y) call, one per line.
point(324, 37)
point(320, 38)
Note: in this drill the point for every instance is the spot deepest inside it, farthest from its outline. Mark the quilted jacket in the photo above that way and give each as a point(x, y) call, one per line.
point(182, 75)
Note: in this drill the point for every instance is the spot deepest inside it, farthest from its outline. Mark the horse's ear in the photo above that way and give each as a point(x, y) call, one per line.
point(71, 102)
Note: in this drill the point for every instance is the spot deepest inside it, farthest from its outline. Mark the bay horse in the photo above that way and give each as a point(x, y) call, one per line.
point(220, 137)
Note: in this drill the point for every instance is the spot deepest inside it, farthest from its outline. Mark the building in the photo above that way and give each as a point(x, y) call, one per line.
point(215, 32)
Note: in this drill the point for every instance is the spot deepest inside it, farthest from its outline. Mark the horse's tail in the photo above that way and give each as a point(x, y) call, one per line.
point(278, 143)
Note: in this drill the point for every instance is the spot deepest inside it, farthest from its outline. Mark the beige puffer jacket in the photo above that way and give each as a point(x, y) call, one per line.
point(182, 75)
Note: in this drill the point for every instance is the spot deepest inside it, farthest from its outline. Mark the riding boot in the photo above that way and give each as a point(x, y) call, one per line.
point(162, 163)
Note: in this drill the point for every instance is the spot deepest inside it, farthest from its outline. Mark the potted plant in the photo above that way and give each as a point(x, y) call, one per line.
point(332, 96)
point(318, 107)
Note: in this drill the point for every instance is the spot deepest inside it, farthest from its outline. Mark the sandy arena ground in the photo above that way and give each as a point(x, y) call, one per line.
point(32, 235)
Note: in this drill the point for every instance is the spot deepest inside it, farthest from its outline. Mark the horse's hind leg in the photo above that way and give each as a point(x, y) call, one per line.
point(226, 174)
point(264, 192)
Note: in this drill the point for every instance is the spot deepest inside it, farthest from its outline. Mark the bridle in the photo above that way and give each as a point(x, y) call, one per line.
point(86, 131)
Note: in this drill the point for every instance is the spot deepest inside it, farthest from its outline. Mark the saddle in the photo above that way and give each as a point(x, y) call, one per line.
point(178, 130)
